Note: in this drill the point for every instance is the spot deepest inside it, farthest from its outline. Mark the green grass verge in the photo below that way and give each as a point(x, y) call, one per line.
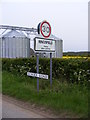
point(62, 97)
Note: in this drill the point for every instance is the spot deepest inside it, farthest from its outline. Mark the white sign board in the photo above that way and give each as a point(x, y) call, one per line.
point(37, 75)
point(47, 45)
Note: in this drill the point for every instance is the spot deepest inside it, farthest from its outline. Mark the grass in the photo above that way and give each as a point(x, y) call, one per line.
point(62, 97)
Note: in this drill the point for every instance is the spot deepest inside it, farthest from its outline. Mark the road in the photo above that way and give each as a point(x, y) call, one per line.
point(16, 109)
point(0, 106)
point(13, 108)
point(12, 111)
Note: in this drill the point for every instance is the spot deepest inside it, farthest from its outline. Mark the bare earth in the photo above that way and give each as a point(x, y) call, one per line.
point(12, 108)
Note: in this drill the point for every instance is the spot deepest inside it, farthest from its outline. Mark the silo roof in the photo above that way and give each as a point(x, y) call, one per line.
point(56, 38)
point(14, 33)
point(51, 37)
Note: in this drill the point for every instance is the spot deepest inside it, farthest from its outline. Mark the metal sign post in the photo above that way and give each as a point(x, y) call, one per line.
point(43, 44)
point(50, 69)
point(37, 72)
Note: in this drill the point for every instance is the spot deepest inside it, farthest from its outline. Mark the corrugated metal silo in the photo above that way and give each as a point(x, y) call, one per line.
point(59, 48)
point(0, 47)
point(15, 45)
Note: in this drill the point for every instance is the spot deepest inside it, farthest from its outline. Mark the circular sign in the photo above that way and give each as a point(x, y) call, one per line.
point(45, 29)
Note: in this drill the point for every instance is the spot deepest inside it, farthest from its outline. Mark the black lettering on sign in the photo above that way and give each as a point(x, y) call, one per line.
point(48, 30)
point(45, 29)
point(45, 42)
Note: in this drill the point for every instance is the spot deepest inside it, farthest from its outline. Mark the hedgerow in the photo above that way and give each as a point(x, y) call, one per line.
point(72, 70)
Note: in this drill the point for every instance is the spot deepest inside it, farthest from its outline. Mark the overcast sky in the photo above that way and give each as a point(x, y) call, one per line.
point(68, 18)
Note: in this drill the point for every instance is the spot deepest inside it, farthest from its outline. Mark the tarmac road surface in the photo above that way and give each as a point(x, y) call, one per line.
point(12, 108)
point(0, 106)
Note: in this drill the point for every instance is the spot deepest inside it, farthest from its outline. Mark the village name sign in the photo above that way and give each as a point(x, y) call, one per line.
point(43, 44)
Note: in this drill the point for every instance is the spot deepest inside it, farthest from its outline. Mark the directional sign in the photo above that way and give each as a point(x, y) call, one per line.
point(37, 75)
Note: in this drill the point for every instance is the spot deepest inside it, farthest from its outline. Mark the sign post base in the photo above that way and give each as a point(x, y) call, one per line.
point(37, 72)
point(50, 69)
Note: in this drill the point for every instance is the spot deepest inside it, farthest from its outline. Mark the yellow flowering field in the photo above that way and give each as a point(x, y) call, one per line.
point(67, 57)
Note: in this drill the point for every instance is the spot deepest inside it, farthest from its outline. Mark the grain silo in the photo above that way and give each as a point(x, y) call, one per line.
point(0, 48)
point(14, 45)
point(58, 50)
point(20, 40)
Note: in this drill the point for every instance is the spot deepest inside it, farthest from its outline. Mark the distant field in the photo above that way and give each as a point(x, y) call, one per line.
point(82, 53)
point(67, 57)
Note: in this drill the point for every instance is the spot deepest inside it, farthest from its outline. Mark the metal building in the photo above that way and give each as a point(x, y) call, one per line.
point(59, 48)
point(19, 41)
point(14, 44)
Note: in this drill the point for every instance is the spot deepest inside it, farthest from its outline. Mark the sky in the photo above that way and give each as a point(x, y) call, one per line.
point(68, 19)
